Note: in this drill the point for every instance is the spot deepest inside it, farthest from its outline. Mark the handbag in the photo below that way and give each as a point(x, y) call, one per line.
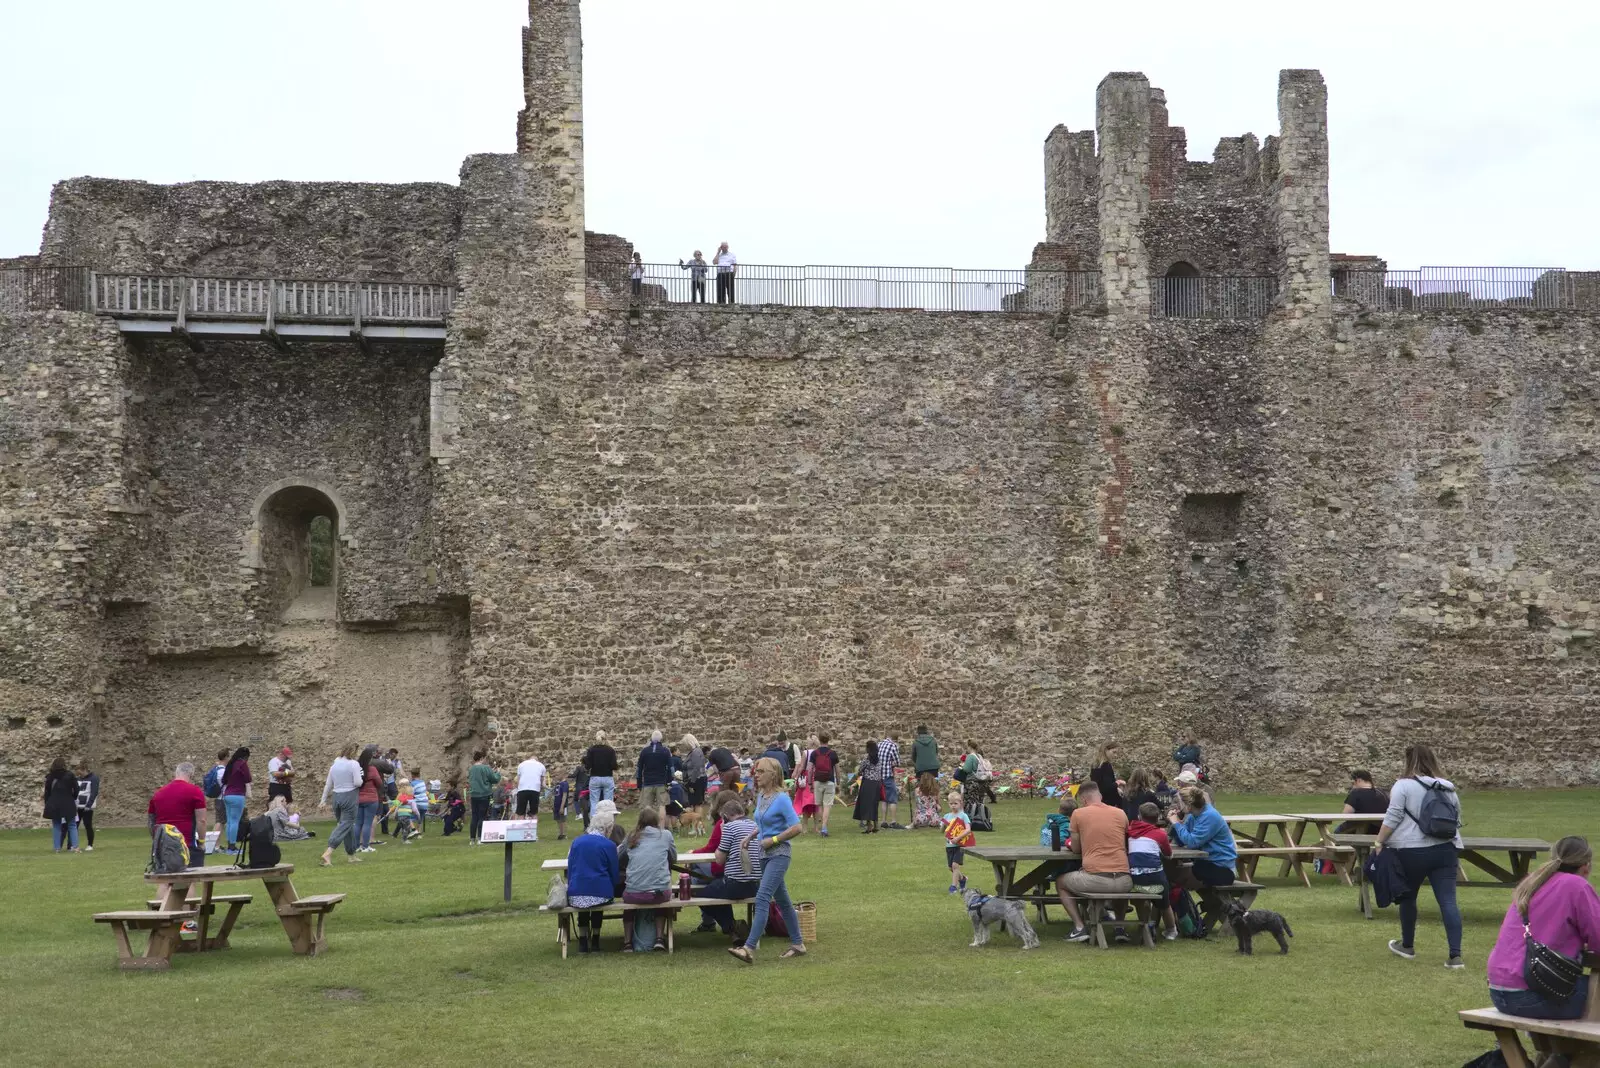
point(1554, 975)
point(557, 898)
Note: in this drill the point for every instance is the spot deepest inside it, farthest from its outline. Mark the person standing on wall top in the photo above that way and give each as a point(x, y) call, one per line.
point(653, 772)
point(88, 794)
point(636, 276)
point(530, 781)
point(280, 776)
point(888, 763)
point(481, 780)
point(601, 760)
point(727, 267)
point(698, 268)
point(61, 805)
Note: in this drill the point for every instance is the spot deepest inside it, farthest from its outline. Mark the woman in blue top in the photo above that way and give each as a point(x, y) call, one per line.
point(593, 876)
point(776, 823)
point(1204, 828)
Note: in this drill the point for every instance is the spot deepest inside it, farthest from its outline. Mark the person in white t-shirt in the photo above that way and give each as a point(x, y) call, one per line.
point(727, 266)
point(530, 780)
point(280, 776)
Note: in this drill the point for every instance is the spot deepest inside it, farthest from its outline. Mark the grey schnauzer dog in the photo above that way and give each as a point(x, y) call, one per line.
point(1247, 923)
point(986, 912)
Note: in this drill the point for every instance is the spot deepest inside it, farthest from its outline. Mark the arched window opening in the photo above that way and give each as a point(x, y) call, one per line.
point(1182, 295)
point(298, 530)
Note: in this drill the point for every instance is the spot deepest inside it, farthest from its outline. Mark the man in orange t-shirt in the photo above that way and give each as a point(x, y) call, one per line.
point(1100, 833)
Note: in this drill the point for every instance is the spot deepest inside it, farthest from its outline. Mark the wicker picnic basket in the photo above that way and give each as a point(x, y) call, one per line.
point(807, 913)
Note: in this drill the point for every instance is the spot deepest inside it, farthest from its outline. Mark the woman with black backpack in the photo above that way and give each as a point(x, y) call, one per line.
point(1423, 827)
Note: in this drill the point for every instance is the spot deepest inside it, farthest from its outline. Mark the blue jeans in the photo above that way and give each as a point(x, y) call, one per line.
point(369, 812)
point(1436, 866)
point(233, 804)
point(734, 890)
point(601, 788)
point(346, 810)
point(773, 869)
point(1534, 1004)
point(66, 828)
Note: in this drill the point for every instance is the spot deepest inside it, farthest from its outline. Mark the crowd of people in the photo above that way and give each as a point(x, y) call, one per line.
point(1120, 828)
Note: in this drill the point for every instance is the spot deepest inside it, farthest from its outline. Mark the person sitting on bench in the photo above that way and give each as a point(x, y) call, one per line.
point(1562, 911)
point(1197, 825)
point(1101, 834)
point(593, 876)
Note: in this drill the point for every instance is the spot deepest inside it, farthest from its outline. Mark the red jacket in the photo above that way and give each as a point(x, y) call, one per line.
point(1141, 829)
point(711, 846)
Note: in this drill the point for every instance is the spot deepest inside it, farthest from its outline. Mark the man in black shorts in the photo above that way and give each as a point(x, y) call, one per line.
point(530, 781)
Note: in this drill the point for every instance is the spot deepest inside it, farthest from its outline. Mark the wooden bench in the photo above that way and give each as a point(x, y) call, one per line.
point(1214, 901)
point(1579, 1039)
point(303, 918)
point(1294, 858)
point(235, 902)
point(1146, 908)
point(164, 927)
point(669, 913)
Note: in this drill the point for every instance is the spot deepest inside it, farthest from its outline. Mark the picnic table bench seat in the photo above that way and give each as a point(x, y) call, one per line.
point(219, 940)
point(1579, 1039)
point(1292, 855)
point(615, 909)
point(1146, 907)
point(163, 925)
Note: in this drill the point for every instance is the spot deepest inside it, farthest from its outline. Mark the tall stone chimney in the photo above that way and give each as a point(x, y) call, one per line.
point(550, 129)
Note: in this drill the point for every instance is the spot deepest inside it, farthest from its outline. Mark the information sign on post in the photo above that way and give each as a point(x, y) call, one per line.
point(510, 832)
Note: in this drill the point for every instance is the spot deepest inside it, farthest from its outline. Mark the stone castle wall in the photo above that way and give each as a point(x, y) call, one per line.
point(316, 230)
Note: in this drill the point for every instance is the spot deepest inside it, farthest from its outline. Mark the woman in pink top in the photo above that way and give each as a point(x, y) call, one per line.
point(1563, 913)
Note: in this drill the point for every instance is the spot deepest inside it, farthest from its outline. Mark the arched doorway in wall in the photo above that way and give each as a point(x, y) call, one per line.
point(294, 544)
point(1181, 293)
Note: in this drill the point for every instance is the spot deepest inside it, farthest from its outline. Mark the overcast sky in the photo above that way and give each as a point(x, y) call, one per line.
point(895, 132)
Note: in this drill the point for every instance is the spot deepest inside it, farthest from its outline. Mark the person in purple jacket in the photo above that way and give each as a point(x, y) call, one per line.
point(1562, 911)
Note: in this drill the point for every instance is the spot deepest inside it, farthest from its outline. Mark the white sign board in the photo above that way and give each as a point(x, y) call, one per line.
point(509, 831)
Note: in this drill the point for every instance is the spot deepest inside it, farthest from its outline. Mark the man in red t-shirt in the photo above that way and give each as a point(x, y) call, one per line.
point(177, 803)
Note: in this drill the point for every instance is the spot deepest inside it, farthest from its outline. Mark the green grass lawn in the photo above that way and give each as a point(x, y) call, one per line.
point(428, 965)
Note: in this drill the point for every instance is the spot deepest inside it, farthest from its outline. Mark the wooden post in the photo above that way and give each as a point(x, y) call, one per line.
point(508, 871)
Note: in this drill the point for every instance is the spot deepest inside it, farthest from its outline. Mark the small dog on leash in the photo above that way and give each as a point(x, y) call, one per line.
point(988, 912)
point(1247, 923)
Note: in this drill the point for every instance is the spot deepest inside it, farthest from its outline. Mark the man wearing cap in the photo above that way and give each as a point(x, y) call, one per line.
point(280, 777)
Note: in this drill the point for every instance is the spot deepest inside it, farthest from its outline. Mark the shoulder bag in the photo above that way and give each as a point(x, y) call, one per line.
point(1553, 975)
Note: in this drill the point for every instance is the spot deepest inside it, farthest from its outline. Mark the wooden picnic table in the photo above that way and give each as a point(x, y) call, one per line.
point(1048, 865)
point(684, 862)
point(1254, 836)
point(1521, 851)
point(301, 917)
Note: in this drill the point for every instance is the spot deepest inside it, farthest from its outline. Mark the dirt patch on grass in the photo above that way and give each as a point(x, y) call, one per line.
point(344, 993)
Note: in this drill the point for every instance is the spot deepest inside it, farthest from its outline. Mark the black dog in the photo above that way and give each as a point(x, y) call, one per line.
point(1248, 923)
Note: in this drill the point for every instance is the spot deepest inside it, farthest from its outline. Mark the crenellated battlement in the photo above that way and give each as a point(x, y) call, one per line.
point(1127, 198)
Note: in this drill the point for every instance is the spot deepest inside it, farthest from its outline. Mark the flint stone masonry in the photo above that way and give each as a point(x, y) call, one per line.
point(319, 230)
point(1311, 539)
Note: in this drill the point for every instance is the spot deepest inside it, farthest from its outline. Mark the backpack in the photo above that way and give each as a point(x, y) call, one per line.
point(212, 784)
point(256, 847)
point(1190, 923)
point(985, 770)
point(1439, 815)
point(169, 853)
point(979, 815)
point(822, 764)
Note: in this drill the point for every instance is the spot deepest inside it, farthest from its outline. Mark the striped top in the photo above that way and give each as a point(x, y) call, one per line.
point(744, 865)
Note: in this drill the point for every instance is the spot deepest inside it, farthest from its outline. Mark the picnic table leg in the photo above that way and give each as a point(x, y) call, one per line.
point(1511, 1049)
point(666, 916)
point(220, 940)
point(125, 949)
point(301, 939)
point(563, 931)
point(508, 871)
point(163, 942)
point(203, 921)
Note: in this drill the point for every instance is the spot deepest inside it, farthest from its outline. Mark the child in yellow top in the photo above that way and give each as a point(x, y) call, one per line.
point(403, 810)
point(957, 835)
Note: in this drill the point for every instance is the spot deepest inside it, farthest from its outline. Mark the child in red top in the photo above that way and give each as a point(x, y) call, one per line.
point(957, 835)
point(1148, 848)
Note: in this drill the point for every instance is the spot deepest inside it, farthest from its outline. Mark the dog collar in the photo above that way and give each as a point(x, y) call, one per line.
point(978, 902)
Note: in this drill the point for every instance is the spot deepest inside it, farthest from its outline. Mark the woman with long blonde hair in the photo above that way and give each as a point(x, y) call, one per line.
point(343, 788)
point(1559, 908)
point(776, 823)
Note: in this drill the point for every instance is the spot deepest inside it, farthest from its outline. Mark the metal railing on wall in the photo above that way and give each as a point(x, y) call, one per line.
point(31, 289)
point(826, 286)
point(1212, 296)
point(256, 298)
point(1449, 288)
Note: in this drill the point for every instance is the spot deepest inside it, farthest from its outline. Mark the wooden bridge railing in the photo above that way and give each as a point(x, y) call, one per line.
point(284, 300)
